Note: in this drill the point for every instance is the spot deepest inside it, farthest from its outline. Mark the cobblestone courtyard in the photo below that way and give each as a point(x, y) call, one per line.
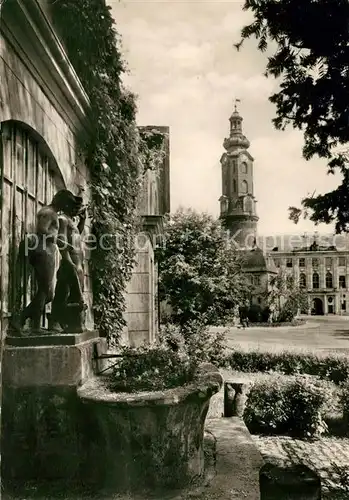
point(318, 455)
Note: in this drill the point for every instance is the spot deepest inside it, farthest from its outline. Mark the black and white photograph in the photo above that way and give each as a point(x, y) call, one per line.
point(174, 249)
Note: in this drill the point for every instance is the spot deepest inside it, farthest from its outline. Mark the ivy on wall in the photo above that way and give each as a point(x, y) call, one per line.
point(116, 152)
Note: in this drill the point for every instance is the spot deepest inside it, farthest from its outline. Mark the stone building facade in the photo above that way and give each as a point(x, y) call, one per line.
point(323, 271)
point(142, 313)
point(43, 108)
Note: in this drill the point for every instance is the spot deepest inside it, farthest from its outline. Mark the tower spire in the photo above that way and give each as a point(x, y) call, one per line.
point(235, 104)
point(238, 205)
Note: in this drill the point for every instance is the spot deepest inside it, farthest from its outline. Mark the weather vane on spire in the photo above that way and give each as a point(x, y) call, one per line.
point(235, 103)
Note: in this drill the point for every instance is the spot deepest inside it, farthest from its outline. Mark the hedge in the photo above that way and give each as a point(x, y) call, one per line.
point(286, 407)
point(332, 367)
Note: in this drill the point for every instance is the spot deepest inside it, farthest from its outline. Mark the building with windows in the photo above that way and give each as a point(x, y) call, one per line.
point(320, 264)
point(323, 271)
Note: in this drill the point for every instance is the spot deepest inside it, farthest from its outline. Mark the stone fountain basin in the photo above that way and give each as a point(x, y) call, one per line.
point(146, 440)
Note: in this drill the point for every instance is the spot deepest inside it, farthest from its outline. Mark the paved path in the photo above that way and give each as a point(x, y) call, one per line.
point(319, 455)
point(326, 333)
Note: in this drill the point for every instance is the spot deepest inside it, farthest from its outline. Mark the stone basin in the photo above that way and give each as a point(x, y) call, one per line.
point(146, 440)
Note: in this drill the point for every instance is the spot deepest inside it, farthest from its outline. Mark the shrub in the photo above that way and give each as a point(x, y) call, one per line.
point(265, 410)
point(292, 407)
point(151, 368)
point(344, 401)
point(170, 363)
point(196, 342)
point(331, 367)
point(305, 400)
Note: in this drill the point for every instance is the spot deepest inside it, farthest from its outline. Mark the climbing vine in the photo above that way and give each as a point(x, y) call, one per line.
point(117, 152)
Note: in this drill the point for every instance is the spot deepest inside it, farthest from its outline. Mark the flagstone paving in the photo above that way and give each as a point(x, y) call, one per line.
point(319, 455)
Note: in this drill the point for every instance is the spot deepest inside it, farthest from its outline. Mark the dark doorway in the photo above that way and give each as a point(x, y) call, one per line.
point(318, 307)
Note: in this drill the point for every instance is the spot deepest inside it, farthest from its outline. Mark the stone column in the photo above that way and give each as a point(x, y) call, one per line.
point(41, 414)
point(322, 273)
point(324, 299)
point(309, 274)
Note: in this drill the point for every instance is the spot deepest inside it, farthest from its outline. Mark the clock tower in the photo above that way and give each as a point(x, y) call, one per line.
point(237, 203)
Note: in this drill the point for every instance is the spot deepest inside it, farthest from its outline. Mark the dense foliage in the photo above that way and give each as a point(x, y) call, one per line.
point(199, 271)
point(151, 368)
point(331, 367)
point(116, 152)
point(171, 362)
point(195, 341)
point(285, 297)
point(311, 59)
point(292, 407)
point(344, 400)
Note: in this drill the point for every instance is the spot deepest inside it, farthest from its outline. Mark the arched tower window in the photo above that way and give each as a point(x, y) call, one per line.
point(329, 280)
point(248, 204)
point(244, 187)
point(316, 280)
point(30, 180)
point(302, 280)
point(234, 185)
point(244, 168)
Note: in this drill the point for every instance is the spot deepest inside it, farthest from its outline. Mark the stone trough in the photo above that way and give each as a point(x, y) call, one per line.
point(146, 440)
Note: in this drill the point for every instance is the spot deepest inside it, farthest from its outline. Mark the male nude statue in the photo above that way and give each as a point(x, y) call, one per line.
point(68, 302)
point(42, 250)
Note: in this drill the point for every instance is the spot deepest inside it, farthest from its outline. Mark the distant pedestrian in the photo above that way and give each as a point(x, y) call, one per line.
point(243, 317)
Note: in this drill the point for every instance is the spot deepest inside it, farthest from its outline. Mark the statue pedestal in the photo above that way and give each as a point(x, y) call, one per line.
point(41, 413)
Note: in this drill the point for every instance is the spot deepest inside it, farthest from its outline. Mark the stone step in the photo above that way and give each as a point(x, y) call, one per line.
point(238, 461)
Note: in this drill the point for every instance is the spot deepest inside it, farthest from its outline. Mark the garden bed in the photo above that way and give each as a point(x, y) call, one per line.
point(295, 322)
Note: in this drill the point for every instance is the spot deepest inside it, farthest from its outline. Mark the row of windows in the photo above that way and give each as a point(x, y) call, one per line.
point(315, 262)
point(316, 280)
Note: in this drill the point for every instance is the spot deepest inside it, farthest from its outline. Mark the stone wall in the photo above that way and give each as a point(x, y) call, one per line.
point(141, 307)
point(142, 291)
point(42, 420)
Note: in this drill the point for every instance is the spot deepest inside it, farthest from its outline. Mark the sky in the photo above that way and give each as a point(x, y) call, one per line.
point(186, 73)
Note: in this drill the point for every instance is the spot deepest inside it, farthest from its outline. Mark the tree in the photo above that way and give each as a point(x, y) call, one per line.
point(285, 297)
point(199, 271)
point(312, 60)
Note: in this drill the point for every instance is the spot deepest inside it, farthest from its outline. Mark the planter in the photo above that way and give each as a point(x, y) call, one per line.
point(146, 440)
